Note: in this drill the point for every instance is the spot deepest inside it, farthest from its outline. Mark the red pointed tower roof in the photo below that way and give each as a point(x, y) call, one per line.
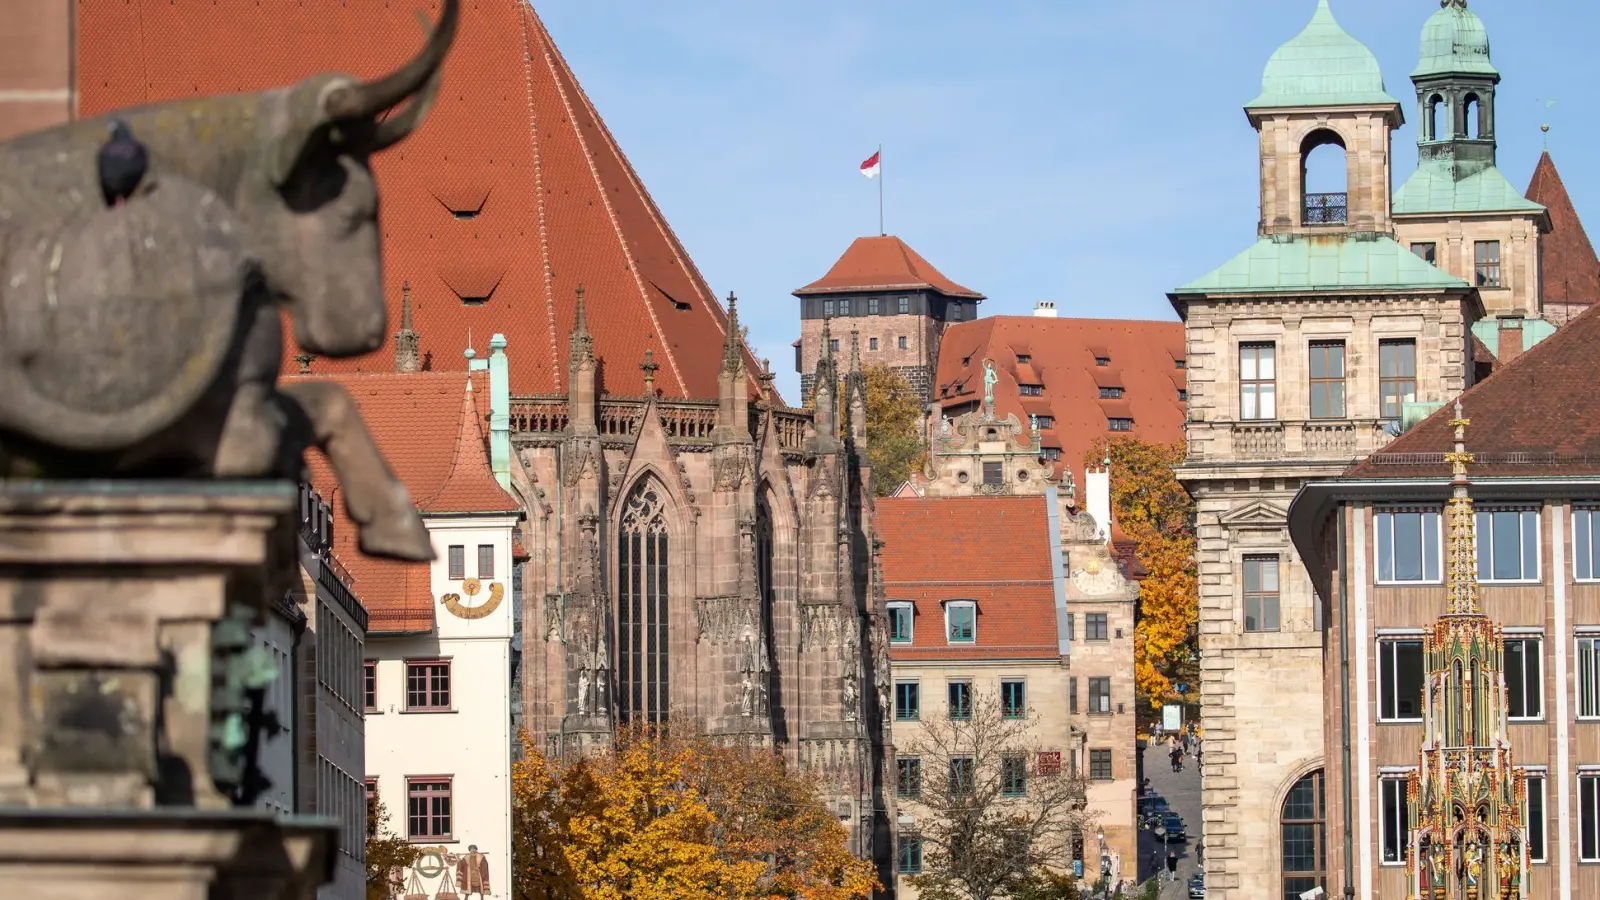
point(471, 486)
point(1571, 270)
point(884, 263)
point(512, 193)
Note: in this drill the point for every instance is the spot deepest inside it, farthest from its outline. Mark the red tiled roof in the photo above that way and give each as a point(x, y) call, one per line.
point(471, 486)
point(1539, 415)
point(884, 263)
point(1143, 363)
point(1570, 270)
point(398, 595)
point(512, 135)
point(994, 550)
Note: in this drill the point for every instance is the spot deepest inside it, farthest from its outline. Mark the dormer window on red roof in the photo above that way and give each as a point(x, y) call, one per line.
point(1120, 424)
point(1031, 390)
point(1111, 393)
point(1102, 360)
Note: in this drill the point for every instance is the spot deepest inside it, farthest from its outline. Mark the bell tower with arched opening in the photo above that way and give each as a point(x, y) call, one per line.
point(1457, 210)
point(1322, 94)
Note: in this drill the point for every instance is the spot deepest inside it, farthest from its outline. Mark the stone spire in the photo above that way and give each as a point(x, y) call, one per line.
point(649, 368)
point(825, 390)
point(1466, 796)
point(407, 345)
point(733, 343)
point(581, 388)
point(1461, 573)
point(580, 346)
point(856, 391)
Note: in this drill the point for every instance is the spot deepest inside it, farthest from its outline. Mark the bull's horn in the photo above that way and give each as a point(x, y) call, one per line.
point(367, 99)
point(395, 127)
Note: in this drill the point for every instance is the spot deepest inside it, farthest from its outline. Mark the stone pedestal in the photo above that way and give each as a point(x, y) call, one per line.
point(125, 610)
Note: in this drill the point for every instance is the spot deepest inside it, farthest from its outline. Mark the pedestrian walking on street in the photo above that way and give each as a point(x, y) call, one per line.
point(1177, 757)
point(1172, 864)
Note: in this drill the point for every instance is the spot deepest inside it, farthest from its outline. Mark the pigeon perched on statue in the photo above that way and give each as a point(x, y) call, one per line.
point(122, 162)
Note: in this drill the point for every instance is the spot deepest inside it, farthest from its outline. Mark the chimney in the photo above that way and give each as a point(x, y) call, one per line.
point(1044, 309)
point(1097, 499)
point(1510, 344)
point(499, 411)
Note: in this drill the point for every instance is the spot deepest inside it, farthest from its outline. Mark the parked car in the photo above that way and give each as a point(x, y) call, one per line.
point(1173, 823)
point(1197, 886)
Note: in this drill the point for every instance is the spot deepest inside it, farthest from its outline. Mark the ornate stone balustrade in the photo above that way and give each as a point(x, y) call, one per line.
point(1330, 439)
point(543, 420)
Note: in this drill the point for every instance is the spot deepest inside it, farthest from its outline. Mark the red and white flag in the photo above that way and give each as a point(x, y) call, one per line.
point(870, 167)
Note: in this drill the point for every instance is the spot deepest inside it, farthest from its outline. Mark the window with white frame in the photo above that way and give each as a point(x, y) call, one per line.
point(1589, 676)
point(961, 621)
point(1534, 816)
point(1508, 545)
point(1524, 677)
point(1258, 382)
point(1588, 816)
point(901, 617)
point(1407, 545)
point(1400, 680)
point(1586, 544)
point(1395, 824)
point(1261, 593)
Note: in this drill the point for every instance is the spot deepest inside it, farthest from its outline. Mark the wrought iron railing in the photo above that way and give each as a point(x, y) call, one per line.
point(1327, 209)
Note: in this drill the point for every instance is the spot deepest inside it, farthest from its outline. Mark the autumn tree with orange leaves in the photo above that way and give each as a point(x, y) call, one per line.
point(671, 816)
point(1154, 510)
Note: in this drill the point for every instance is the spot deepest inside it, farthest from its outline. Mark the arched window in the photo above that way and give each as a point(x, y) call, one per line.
point(1305, 837)
point(1436, 111)
point(1324, 175)
point(1470, 126)
point(642, 557)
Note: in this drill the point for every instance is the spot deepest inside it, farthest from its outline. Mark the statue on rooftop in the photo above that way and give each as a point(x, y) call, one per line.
point(143, 338)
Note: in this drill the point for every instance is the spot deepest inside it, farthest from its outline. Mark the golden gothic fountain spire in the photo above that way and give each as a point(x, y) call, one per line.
point(1461, 574)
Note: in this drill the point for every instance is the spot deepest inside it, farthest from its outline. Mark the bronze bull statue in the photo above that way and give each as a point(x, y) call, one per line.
point(144, 340)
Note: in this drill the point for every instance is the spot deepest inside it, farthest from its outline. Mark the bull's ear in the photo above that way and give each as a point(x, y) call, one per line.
point(301, 126)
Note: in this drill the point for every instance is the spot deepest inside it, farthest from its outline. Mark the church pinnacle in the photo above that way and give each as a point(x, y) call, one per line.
point(1461, 575)
point(733, 343)
point(407, 351)
point(581, 343)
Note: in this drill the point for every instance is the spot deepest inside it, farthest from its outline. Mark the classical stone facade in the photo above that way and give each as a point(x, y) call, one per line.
point(979, 453)
point(711, 563)
point(1303, 352)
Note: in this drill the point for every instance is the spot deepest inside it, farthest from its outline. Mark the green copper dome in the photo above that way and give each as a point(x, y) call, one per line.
point(1322, 66)
point(1454, 42)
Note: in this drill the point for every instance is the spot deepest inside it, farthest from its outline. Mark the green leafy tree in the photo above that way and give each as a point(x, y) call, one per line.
point(895, 444)
point(388, 855)
point(1155, 511)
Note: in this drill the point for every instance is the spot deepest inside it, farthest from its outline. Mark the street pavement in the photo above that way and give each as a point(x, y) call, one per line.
point(1182, 790)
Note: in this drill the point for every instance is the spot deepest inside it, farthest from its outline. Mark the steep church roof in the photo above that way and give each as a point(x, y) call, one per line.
point(1567, 261)
point(1322, 66)
point(512, 193)
point(884, 263)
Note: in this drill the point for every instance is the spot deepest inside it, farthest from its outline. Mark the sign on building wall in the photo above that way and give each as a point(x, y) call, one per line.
point(1172, 717)
point(1049, 762)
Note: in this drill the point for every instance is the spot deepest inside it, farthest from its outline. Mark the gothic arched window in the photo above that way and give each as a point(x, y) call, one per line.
point(1305, 837)
point(642, 662)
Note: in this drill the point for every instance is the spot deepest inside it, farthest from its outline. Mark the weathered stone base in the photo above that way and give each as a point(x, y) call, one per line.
point(163, 855)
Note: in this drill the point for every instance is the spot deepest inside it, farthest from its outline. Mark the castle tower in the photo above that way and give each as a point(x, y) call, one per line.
point(898, 301)
point(1286, 343)
point(1466, 798)
point(1457, 211)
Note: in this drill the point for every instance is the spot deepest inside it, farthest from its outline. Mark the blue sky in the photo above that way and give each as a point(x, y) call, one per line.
point(1090, 153)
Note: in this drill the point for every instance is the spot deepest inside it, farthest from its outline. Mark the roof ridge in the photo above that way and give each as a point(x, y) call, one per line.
point(1571, 269)
point(525, 10)
point(553, 59)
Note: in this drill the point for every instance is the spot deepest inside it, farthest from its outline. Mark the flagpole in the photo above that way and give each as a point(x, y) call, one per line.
point(881, 232)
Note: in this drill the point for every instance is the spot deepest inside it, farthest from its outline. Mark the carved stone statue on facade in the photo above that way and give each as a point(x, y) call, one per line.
point(143, 339)
point(989, 380)
point(583, 691)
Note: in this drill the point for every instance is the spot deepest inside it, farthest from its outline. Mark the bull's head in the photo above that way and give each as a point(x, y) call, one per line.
point(320, 255)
